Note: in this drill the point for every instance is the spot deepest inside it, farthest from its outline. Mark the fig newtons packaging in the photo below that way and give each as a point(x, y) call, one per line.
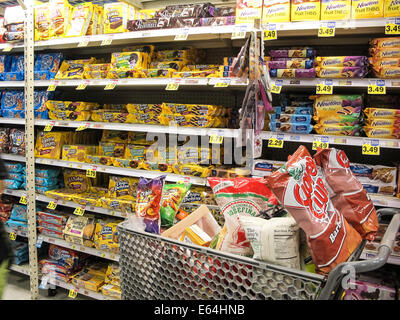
point(301, 188)
point(335, 9)
point(248, 11)
point(276, 11)
point(392, 8)
point(305, 10)
point(367, 9)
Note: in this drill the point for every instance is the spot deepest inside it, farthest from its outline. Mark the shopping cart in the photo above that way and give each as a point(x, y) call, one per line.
point(156, 267)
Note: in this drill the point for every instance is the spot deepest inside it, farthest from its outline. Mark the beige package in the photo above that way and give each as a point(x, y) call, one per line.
point(42, 22)
point(59, 17)
point(80, 19)
point(276, 11)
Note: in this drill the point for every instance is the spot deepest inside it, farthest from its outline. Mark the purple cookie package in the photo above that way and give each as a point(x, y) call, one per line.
point(293, 73)
point(293, 53)
point(342, 72)
point(345, 61)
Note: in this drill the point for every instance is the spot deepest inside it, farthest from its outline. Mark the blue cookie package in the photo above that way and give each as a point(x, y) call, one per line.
point(293, 110)
point(44, 75)
point(5, 63)
point(48, 62)
point(14, 224)
point(12, 76)
point(16, 176)
point(11, 184)
point(14, 166)
point(17, 63)
point(291, 127)
point(42, 190)
point(46, 182)
point(47, 172)
point(12, 100)
point(18, 213)
point(290, 118)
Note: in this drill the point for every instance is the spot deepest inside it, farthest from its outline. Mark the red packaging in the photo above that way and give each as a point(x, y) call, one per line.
point(348, 195)
point(301, 189)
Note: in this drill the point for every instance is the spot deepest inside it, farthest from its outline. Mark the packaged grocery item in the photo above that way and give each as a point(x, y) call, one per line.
point(18, 213)
point(291, 64)
point(48, 144)
point(192, 121)
point(247, 12)
point(199, 195)
point(387, 42)
point(382, 132)
point(111, 149)
point(16, 176)
point(376, 179)
point(378, 63)
point(382, 113)
point(276, 11)
point(53, 218)
point(290, 127)
point(116, 17)
point(126, 206)
point(293, 110)
point(275, 240)
point(265, 167)
point(289, 118)
point(112, 116)
point(173, 194)
point(338, 130)
point(14, 166)
point(192, 170)
point(240, 196)
point(339, 120)
point(348, 195)
point(42, 21)
point(70, 115)
point(106, 236)
point(387, 72)
point(117, 136)
point(129, 60)
point(293, 73)
point(124, 188)
point(149, 195)
point(342, 61)
point(86, 280)
point(383, 122)
point(335, 9)
point(364, 290)
point(326, 105)
point(76, 180)
point(194, 235)
point(11, 184)
point(366, 9)
point(302, 190)
point(77, 152)
point(73, 69)
point(80, 18)
point(192, 109)
point(13, 15)
point(111, 291)
point(17, 141)
point(5, 63)
point(47, 172)
point(144, 108)
point(305, 10)
point(60, 11)
point(392, 9)
point(80, 230)
point(385, 52)
point(341, 72)
point(51, 226)
point(71, 106)
point(46, 182)
point(302, 52)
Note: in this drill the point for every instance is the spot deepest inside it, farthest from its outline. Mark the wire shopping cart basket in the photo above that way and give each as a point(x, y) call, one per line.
point(154, 267)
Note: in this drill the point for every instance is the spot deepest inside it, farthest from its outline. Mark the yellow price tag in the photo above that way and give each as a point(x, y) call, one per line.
point(216, 139)
point(275, 143)
point(270, 35)
point(103, 255)
point(91, 173)
point(222, 84)
point(172, 86)
point(374, 89)
point(324, 89)
point(51, 87)
point(370, 150)
point(110, 86)
point(7, 49)
point(82, 86)
point(72, 293)
point(23, 200)
point(320, 144)
point(106, 42)
point(326, 32)
point(12, 236)
point(182, 36)
point(276, 89)
point(84, 42)
point(52, 205)
point(392, 28)
point(80, 128)
point(79, 211)
point(48, 127)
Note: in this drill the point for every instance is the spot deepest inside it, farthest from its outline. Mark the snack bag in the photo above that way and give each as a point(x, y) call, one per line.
point(173, 195)
point(335, 9)
point(276, 11)
point(366, 9)
point(392, 8)
point(148, 201)
point(76, 180)
point(123, 188)
point(248, 11)
point(305, 10)
point(301, 189)
point(59, 17)
point(48, 144)
point(42, 22)
point(116, 16)
point(106, 236)
point(80, 20)
point(236, 197)
point(348, 195)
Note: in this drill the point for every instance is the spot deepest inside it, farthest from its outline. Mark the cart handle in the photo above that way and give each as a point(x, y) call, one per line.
point(384, 251)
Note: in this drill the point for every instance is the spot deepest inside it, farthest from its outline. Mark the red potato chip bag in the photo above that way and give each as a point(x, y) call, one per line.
point(240, 196)
point(300, 187)
point(348, 195)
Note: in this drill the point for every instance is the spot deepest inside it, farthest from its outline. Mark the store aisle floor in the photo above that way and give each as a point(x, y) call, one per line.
point(18, 289)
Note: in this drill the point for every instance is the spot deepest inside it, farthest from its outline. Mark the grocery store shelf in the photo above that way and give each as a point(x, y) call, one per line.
point(18, 231)
point(23, 268)
point(341, 83)
point(370, 255)
point(385, 201)
point(12, 84)
point(71, 204)
point(231, 133)
point(340, 140)
point(121, 171)
point(140, 83)
point(77, 247)
point(12, 157)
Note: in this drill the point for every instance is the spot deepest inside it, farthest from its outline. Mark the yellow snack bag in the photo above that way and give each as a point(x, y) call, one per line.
point(106, 236)
point(69, 115)
point(77, 153)
point(382, 113)
point(103, 160)
point(129, 60)
point(117, 136)
point(192, 109)
point(144, 108)
point(248, 11)
point(116, 17)
point(80, 20)
point(392, 52)
point(111, 291)
point(100, 19)
point(73, 69)
point(390, 42)
point(122, 187)
point(276, 11)
point(136, 152)
point(367, 9)
point(60, 194)
point(145, 14)
point(127, 163)
point(92, 28)
point(86, 199)
point(59, 17)
point(48, 144)
point(77, 181)
point(111, 149)
point(392, 8)
point(382, 132)
point(54, 105)
point(305, 10)
point(42, 22)
point(192, 170)
point(335, 9)
point(112, 116)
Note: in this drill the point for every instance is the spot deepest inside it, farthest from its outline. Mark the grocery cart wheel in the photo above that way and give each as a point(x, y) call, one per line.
point(51, 292)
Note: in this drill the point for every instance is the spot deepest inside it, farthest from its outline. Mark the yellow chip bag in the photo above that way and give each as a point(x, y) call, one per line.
point(42, 22)
point(48, 144)
point(106, 236)
point(80, 20)
point(122, 187)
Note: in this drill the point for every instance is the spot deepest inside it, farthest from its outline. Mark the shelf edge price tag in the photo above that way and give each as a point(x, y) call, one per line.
point(172, 86)
point(239, 32)
point(377, 88)
point(107, 41)
point(392, 26)
point(53, 86)
point(275, 143)
point(12, 236)
point(82, 127)
point(111, 86)
point(81, 86)
point(48, 127)
point(371, 149)
point(327, 29)
point(277, 87)
point(84, 42)
point(325, 88)
point(79, 211)
point(182, 34)
point(72, 293)
point(91, 173)
point(320, 142)
point(52, 205)
point(23, 200)
point(271, 33)
point(222, 83)
point(8, 48)
point(216, 139)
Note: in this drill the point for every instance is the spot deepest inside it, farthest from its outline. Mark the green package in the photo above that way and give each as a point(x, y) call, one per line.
point(172, 197)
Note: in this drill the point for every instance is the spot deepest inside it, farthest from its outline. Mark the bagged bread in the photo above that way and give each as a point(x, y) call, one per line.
point(302, 190)
point(348, 195)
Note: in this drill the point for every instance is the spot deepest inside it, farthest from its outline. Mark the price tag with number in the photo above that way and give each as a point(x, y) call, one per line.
point(79, 211)
point(8, 48)
point(52, 205)
point(392, 27)
point(370, 149)
point(216, 139)
point(12, 236)
point(53, 86)
point(277, 87)
point(72, 293)
point(107, 41)
point(84, 42)
point(81, 128)
point(325, 87)
point(111, 85)
point(327, 29)
point(81, 86)
point(172, 86)
point(275, 143)
point(23, 200)
point(377, 88)
point(320, 144)
point(222, 83)
point(91, 173)
point(48, 127)
point(239, 32)
point(182, 34)
point(271, 33)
